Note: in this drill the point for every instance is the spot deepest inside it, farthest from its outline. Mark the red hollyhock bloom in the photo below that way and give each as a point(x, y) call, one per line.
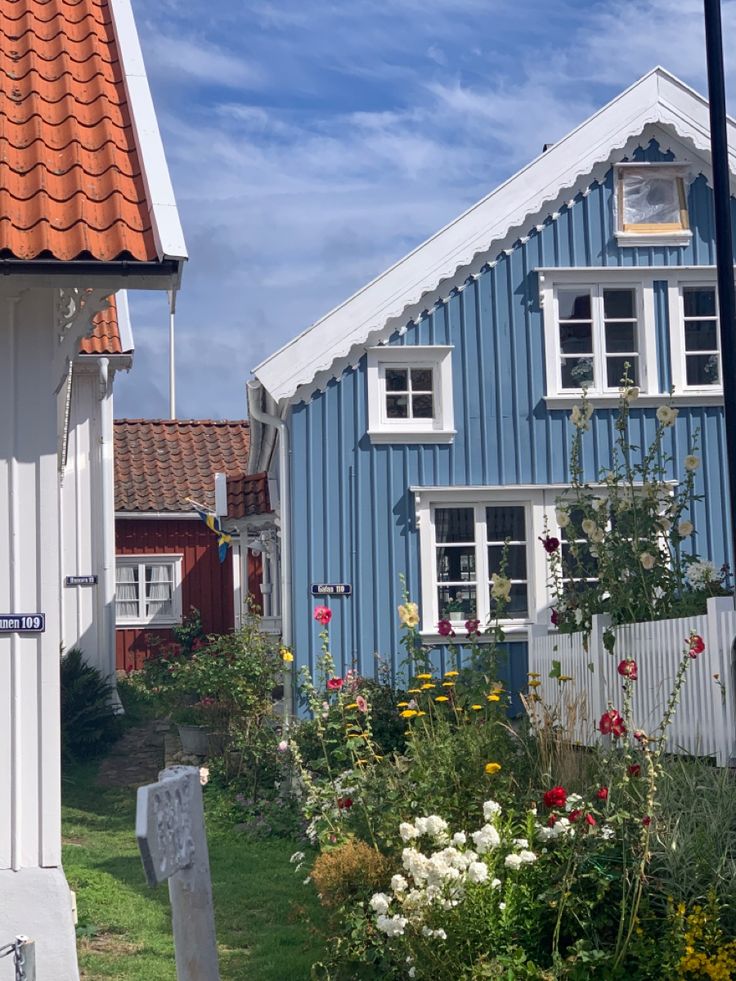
point(472, 627)
point(554, 618)
point(628, 669)
point(590, 820)
point(612, 724)
point(556, 797)
point(552, 820)
point(335, 684)
point(550, 544)
point(322, 614)
point(575, 816)
point(634, 770)
point(646, 821)
point(344, 803)
point(640, 736)
point(697, 645)
point(444, 628)
point(602, 794)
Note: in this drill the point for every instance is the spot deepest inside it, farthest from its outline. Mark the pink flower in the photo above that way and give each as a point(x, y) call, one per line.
point(361, 703)
point(590, 820)
point(697, 645)
point(335, 684)
point(602, 793)
point(628, 669)
point(322, 614)
point(444, 628)
point(612, 724)
point(472, 627)
point(646, 821)
point(283, 746)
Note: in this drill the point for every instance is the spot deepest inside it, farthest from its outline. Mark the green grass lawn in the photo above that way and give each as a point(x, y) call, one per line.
point(265, 917)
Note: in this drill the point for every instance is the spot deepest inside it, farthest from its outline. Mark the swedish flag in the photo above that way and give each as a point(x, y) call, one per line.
point(224, 540)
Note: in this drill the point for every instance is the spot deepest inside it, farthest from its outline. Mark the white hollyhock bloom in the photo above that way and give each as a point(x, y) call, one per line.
point(563, 518)
point(589, 526)
point(666, 415)
point(490, 809)
point(477, 872)
point(380, 902)
point(598, 503)
point(685, 528)
point(691, 462)
point(647, 560)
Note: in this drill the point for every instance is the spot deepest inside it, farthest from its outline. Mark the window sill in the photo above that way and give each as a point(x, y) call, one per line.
point(411, 435)
point(511, 628)
point(691, 397)
point(654, 239)
point(147, 624)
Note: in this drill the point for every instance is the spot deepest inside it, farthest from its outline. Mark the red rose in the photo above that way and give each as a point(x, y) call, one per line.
point(602, 794)
point(444, 628)
point(627, 669)
point(472, 627)
point(344, 803)
point(335, 684)
point(552, 820)
point(634, 770)
point(575, 815)
point(646, 821)
point(590, 820)
point(322, 614)
point(550, 544)
point(697, 645)
point(554, 618)
point(612, 724)
point(556, 797)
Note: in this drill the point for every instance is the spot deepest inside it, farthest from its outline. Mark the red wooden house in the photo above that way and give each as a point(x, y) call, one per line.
point(167, 559)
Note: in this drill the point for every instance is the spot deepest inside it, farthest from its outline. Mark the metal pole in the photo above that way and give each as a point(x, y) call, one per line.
point(724, 241)
point(172, 368)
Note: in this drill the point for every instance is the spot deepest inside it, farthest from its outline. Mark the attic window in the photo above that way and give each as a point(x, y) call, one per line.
point(651, 205)
point(410, 394)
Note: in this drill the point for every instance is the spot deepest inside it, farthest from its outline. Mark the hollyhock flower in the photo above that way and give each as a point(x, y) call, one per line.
point(640, 736)
point(472, 627)
point(602, 793)
point(634, 770)
point(628, 669)
point(500, 588)
point(666, 415)
point(322, 614)
point(563, 518)
point(283, 746)
point(554, 618)
point(589, 526)
point(550, 544)
point(556, 797)
point(612, 724)
point(575, 815)
point(685, 528)
point(691, 462)
point(697, 645)
point(335, 684)
point(647, 560)
point(444, 628)
point(409, 614)
point(345, 803)
point(361, 704)
point(646, 821)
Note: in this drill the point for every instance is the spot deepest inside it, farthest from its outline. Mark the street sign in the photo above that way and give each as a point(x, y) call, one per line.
point(80, 581)
point(332, 589)
point(171, 835)
point(22, 623)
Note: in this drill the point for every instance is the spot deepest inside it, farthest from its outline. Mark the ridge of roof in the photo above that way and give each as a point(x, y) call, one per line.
point(376, 310)
point(183, 422)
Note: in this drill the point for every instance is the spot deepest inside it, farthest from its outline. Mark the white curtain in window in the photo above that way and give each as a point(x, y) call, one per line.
point(159, 590)
point(126, 592)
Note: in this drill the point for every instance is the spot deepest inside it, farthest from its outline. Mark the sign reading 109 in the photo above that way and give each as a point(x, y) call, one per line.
point(22, 623)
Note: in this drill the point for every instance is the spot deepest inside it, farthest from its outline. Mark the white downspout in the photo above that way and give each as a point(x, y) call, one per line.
point(106, 605)
point(257, 413)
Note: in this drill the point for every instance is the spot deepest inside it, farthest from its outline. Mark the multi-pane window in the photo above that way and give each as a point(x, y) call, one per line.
point(471, 543)
point(598, 337)
point(650, 200)
point(700, 325)
point(146, 590)
point(409, 393)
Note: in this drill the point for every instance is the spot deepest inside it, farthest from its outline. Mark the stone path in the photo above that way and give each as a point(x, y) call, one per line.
point(136, 758)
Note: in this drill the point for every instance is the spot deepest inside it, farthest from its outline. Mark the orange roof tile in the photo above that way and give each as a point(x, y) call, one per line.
point(248, 494)
point(105, 336)
point(159, 463)
point(70, 177)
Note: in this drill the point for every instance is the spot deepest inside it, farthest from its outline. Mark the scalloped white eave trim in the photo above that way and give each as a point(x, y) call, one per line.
point(306, 362)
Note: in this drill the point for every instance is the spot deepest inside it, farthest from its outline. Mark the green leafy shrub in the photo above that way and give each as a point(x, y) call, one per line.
point(88, 720)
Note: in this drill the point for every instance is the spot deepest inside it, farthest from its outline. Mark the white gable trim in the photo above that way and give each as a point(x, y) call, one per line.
point(159, 191)
point(413, 284)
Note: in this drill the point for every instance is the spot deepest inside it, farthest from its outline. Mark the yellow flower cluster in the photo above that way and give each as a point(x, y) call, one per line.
point(720, 965)
point(286, 655)
point(491, 768)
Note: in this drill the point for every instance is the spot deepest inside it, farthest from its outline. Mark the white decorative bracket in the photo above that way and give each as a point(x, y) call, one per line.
point(75, 310)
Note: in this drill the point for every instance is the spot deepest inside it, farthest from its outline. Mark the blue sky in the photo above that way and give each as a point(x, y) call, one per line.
point(311, 144)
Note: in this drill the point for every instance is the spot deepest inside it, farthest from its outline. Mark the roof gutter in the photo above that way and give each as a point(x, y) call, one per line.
point(164, 274)
point(255, 390)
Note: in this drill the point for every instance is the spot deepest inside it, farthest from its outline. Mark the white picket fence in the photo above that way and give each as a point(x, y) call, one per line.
point(705, 718)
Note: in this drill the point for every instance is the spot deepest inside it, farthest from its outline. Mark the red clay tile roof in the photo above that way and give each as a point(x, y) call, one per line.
point(70, 177)
point(161, 462)
point(248, 494)
point(105, 336)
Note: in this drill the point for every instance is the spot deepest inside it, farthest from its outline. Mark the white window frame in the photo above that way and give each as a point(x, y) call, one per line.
point(596, 280)
point(677, 342)
point(142, 620)
point(438, 359)
point(648, 236)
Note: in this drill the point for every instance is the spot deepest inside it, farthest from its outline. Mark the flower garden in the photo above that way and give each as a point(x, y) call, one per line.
point(446, 839)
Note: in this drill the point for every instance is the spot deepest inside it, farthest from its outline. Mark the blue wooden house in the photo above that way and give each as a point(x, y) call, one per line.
point(425, 421)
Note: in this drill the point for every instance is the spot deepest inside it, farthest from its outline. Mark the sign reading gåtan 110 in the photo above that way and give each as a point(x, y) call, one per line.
point(22, 623)
point(332, 589)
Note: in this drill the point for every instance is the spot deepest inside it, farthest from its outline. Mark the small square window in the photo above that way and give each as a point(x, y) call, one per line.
point(651, 201)
point(410, 394)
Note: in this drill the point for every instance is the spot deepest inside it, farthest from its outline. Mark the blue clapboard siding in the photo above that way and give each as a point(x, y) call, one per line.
point(352, 510)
